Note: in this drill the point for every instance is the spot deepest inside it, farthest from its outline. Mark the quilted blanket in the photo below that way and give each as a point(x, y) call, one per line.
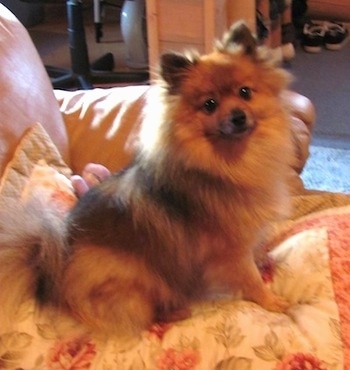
point(309, 265)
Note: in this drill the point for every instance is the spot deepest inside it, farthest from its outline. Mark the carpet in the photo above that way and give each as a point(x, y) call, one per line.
point(325, 79)
point(327, 169)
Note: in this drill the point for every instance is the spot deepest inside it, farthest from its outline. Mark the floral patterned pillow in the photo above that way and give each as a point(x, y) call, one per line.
point(309, 266)
point(34, 146)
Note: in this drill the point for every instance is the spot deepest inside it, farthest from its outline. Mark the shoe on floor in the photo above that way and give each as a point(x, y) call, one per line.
point(313, 36)
point(336, 36)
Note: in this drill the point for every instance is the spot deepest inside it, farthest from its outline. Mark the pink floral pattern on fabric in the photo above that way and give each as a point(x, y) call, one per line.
point(158, 330)
point(63, 201)
point(339, 237)
point(299, 361)
point(71, 355)
point(338, 232)
point(172, 359)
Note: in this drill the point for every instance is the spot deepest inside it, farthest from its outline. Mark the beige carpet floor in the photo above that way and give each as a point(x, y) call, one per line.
point(328, 169)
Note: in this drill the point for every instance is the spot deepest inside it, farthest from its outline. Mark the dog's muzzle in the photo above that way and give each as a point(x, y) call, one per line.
point(237, 124)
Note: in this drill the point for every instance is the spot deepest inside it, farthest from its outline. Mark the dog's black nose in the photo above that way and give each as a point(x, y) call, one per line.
point(239, 119)
point(235, 125)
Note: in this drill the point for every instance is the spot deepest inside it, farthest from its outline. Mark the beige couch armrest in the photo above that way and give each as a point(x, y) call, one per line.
point(26, 95)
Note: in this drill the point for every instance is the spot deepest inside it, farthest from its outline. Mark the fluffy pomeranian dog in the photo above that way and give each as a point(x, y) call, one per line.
point(185, 218)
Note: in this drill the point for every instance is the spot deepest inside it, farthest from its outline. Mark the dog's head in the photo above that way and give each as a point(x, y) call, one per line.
point(221, 104)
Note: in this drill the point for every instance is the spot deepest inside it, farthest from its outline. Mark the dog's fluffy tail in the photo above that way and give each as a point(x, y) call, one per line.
point(32, 252)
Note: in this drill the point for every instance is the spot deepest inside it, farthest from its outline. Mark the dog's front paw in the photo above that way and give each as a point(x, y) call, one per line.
point(275, 303)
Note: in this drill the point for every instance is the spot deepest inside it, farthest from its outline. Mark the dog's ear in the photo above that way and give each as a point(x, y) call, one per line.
point(240, 35)
point(173, 68)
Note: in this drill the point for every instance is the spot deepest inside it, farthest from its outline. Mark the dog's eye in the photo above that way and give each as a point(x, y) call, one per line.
point(210, 106)
point(245, 92)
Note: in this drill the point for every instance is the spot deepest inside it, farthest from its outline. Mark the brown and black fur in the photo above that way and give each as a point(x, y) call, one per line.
point(183, 220)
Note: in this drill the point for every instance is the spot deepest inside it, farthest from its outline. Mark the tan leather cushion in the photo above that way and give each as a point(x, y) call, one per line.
point(102, 124)
point(303, 119)
point(26, 95)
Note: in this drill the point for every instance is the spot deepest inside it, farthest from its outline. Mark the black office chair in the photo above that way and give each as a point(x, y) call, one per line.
point(83, 74)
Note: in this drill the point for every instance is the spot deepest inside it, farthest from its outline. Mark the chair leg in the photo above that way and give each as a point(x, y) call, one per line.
point(97, 20)
point(77, 42)
point(82, 75)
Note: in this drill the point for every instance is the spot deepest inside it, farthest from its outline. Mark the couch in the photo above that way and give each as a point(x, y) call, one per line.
point(59, 132)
